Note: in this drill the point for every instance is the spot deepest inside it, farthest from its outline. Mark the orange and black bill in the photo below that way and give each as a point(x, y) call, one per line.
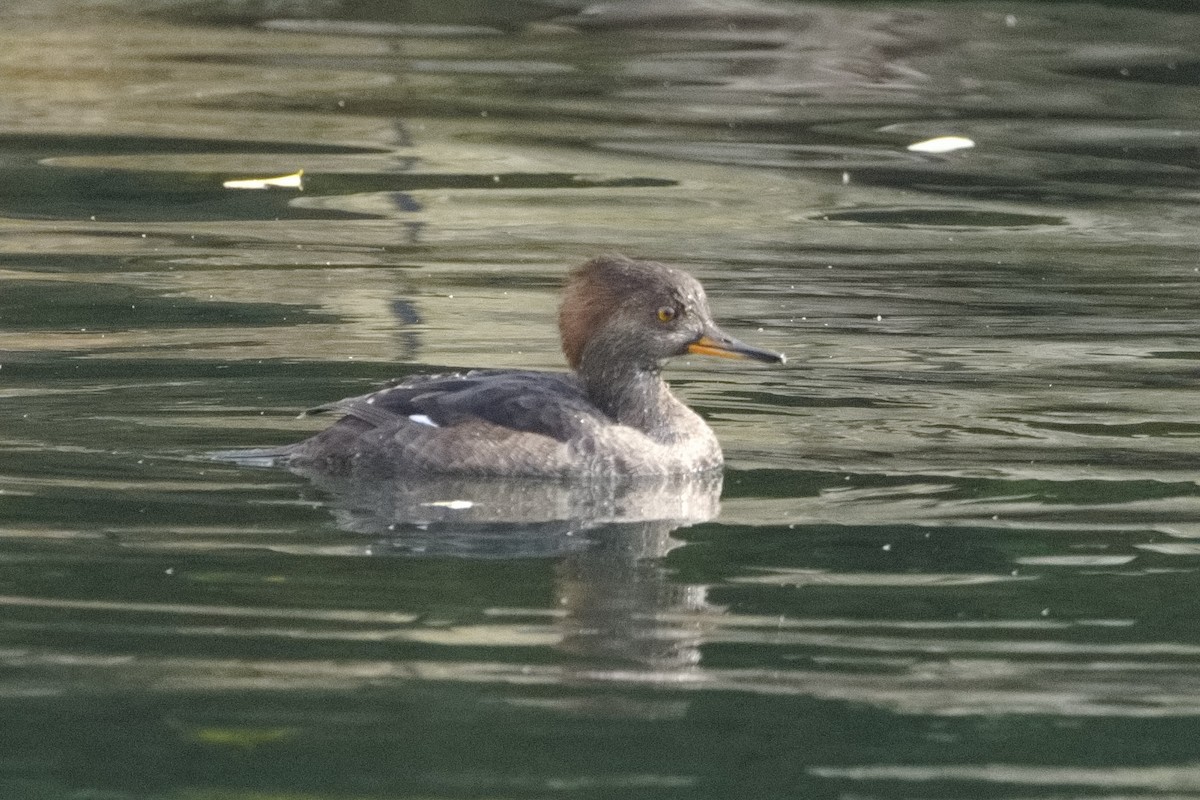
point(717, 343)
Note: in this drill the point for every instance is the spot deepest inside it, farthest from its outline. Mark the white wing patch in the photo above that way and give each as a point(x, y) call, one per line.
point(423, 419)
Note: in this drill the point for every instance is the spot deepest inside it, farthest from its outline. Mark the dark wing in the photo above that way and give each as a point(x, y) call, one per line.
point(547, 403)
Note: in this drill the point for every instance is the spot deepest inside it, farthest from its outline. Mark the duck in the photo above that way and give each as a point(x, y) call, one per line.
point(611, 414)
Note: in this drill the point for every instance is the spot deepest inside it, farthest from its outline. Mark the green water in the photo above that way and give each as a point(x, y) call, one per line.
point(956, 549)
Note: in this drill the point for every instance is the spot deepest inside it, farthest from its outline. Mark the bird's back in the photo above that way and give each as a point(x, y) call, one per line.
point(483, 422)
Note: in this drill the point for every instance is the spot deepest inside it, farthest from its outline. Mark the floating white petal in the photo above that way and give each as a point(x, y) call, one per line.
point(293, 181)
point(454, 505)
point(942, 144)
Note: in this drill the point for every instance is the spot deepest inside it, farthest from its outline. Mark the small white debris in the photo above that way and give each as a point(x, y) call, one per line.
point(424, 420)
point(845, 178)
point(1010, 20)
point(293, 181)
point(941, 144)
point(454, 505)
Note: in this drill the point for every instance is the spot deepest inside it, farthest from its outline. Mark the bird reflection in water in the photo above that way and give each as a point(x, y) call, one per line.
point(617, 604)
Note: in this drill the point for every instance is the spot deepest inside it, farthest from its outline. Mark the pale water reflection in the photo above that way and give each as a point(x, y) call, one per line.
point(955, 551)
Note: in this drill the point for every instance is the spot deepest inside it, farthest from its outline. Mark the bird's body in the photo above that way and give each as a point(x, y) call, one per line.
point(611, 415)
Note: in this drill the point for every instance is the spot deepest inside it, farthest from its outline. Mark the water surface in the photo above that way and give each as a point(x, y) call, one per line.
point(956, 548)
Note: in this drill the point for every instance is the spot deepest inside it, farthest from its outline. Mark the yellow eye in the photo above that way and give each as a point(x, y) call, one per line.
point(666, 314)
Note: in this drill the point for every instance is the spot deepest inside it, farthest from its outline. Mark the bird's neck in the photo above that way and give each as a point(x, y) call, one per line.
point(632, 393)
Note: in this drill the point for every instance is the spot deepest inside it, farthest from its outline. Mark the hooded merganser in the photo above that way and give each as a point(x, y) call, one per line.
point(620, 320)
